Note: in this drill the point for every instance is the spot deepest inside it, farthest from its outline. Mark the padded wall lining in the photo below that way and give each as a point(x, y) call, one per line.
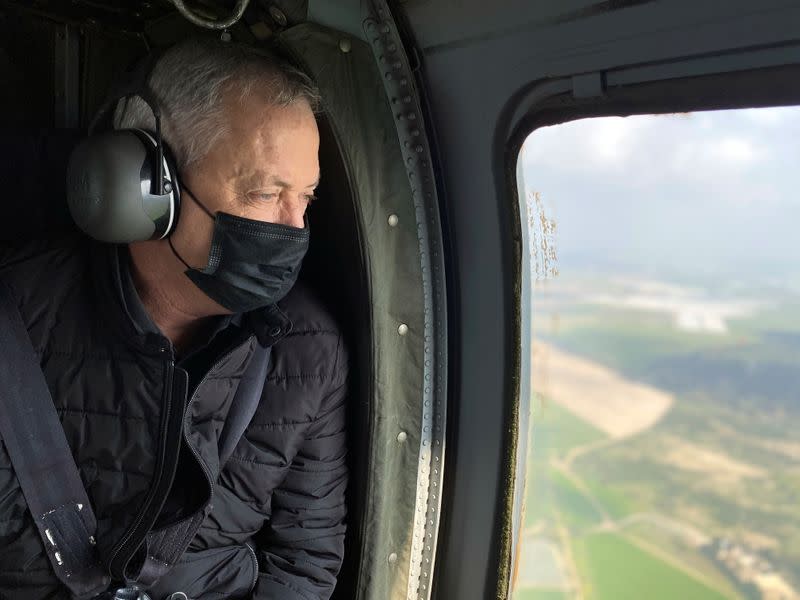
point(361, 120)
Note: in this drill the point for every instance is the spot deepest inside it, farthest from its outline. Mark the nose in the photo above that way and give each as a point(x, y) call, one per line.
point(293, 215)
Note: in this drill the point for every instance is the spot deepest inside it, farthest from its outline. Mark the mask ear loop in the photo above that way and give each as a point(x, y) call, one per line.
point(175, 252)
point(185, 190)
point(196, 201)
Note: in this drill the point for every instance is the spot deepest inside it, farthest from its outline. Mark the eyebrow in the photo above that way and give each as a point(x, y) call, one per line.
point(281, 183)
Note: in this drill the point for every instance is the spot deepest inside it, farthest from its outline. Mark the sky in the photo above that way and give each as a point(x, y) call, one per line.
point(707, 193)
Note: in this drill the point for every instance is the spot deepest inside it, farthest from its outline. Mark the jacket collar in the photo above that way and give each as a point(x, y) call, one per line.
point(268, 324)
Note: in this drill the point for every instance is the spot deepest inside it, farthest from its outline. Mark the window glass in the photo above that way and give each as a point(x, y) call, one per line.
point(664, 449)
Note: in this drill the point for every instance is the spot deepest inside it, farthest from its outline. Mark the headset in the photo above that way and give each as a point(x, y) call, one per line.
point(122, 185)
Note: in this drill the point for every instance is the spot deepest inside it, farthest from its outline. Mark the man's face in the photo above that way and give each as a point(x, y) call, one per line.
point(265, 167)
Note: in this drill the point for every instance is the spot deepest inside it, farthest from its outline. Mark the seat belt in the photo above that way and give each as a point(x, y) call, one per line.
point(245, 402)
point(43, 462)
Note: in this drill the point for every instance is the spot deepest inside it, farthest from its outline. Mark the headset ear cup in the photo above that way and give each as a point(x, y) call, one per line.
point(110, 191)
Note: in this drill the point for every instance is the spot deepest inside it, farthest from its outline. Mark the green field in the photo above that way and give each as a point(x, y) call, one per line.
point(615, 569)
point(554, 431)
point(630, 342)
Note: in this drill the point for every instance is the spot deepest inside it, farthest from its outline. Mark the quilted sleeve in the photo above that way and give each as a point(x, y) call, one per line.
point(300, 550)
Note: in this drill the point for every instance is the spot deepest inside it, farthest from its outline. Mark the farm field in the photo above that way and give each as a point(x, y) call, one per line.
point(619, 570)
point(662, 455)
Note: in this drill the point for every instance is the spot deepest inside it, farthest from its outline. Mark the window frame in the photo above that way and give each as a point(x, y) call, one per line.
point(750, 79)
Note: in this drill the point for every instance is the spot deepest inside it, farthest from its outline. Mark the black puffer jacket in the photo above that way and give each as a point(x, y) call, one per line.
point(274, 523)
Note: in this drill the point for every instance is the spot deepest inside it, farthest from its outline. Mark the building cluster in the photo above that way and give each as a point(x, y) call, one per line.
point(748, 567)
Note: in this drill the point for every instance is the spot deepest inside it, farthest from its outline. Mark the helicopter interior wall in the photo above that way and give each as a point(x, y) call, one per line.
point(26, 48)
point(480, 59)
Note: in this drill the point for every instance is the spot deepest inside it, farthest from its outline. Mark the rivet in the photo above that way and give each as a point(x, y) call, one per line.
point(391, 47)
point(225, 36)
point(393, 220)
point(385, 29)
point(277, 15)
point(345, 45)
point(412, 116)
point(403, 329)
point(415, 132)
point(419, 148)
point(407, 99)
point(392, 558)
point(58, 558)
point(389, 76)
point(402, 437)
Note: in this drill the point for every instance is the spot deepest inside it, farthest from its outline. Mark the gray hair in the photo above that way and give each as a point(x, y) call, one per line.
point(189, 81)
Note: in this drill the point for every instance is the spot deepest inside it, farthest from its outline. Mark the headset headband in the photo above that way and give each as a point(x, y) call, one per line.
point(137, 84)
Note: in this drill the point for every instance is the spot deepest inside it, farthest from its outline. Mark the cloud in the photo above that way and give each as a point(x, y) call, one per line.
point(701, 189)
point(770, 116)
point(727, 150)
point(737, 150)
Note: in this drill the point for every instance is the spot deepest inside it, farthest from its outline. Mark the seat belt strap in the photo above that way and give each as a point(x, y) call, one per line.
point(43, 461)
point(245, 402)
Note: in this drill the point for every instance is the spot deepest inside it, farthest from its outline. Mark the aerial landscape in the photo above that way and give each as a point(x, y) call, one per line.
point(663, 461)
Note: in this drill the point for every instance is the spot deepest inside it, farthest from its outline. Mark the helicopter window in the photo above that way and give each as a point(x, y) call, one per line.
point(663, 458)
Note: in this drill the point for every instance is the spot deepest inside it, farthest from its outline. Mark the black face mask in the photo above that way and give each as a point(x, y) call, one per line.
point(252, 264)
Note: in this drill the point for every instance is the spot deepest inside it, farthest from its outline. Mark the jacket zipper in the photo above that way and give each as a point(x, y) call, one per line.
point(255, 565)
point(134, 528)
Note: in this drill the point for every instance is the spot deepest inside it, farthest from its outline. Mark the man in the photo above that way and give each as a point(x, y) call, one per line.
point(129, 334)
